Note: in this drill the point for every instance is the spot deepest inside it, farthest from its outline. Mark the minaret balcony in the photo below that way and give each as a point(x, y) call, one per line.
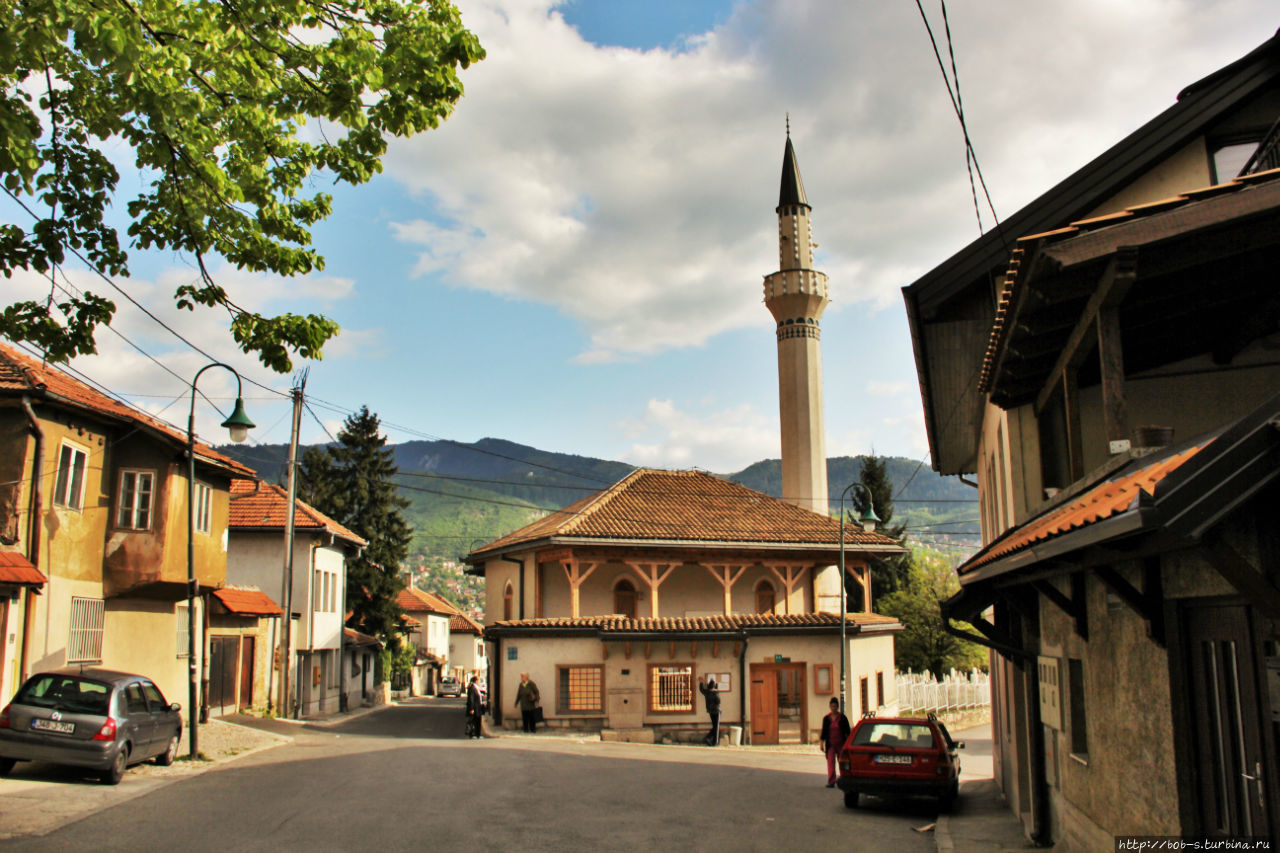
point(796, 281)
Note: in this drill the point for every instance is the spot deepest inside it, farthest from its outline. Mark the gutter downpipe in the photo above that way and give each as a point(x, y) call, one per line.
point(33, 537)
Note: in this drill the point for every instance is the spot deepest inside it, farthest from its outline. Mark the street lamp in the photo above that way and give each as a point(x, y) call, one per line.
point(868, 522)
point(238, 425)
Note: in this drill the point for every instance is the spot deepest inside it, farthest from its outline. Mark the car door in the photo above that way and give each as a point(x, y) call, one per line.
point(165, 723)
point(139, 728)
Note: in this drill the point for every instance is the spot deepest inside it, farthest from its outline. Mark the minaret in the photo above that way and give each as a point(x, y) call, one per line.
point(796, 295)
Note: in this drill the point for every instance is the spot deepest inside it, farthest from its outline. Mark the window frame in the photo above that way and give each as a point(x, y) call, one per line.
point(692, 676)
point(625, 588)
point(135, 508)
point(85, 628)
point(765, 586)
point(64, 479)
point(181, 636)
point(204, 508)
point(563, 702)
point(819, 670)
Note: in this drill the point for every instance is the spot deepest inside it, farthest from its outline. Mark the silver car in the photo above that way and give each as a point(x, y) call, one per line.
point(95, 718)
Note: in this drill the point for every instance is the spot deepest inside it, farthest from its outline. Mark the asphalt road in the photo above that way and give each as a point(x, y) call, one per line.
point(404, 778)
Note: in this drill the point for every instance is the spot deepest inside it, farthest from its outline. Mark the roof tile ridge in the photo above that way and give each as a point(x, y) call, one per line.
point(601, 499)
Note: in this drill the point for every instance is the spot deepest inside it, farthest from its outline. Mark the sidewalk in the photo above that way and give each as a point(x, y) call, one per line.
point(981, 821)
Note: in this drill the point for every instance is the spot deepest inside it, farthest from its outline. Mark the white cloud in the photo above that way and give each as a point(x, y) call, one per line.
point(877, 388)
point(723, 441)
point(633, 190)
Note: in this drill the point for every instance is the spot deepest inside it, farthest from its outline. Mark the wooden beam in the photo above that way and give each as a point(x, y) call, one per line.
point(693, 649)
point(648, 650)
point(1149, 603)
point(715, 648)
point(626, 649)
point(1115, 409)
point(726, 577)
point(790, 581)
point(671, 650)
point(1242, 575)
point(648, 573)
point(1071, 420)
point(1082, 605)
point(604, 650)
point(573, 571)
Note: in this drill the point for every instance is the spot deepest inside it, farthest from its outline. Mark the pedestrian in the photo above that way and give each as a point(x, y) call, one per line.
point(835, 731)
point(527, 698)
point(712, 697)
point(475, 709)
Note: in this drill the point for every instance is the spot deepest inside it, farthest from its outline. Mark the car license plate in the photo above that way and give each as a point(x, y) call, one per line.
point(53, 726)
point(892, 759)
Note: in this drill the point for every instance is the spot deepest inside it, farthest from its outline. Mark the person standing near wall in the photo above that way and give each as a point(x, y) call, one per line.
point(527, 697)
point(712, 697)
point(475, 709)
point(835, 731)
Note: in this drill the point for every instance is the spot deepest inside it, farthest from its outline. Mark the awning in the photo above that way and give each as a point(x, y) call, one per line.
point(17, 569)
point(247, 602)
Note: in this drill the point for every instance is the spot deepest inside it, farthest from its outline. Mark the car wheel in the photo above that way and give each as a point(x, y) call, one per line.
point(165, 758)
point(113, 774)
point(851, 799)
point(6, 764)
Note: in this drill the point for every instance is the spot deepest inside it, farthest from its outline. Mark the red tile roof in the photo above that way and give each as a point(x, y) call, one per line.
point(702, 624)
point(247, 602)
point(690, 507)
point(22, 374)
point(1111, 497)
point(355, 638)
point(412, 600)
point(410, 621)
point(461, 623)
point(256, 505)
point(15, 568)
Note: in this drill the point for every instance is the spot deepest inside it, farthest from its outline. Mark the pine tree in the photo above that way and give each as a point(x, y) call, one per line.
point(887, 574)
point(353, 482)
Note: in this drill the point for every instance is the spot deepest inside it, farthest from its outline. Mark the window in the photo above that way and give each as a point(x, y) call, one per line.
point(624, 599)
point(134, 508)
point(1079, 726)
point(317, 593)
point(134, 701)
point(822, 679)
point(507, 595)
point(866, 695)
point(84, 644)
point(68, 489)
point(153, 696)
point(879, 689)
point(204, 499)
point(581, 689)
point(766, 598)
point(182, 643)
point(671, 689)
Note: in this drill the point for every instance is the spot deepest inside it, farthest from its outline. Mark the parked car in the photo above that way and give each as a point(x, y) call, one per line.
point(900, 755)
point(95, 718)
point(449, 687)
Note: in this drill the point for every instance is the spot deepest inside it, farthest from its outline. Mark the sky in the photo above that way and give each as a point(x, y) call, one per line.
point(575, 259)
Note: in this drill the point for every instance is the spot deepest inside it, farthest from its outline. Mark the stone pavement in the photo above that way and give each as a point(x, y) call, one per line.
point(981, 821)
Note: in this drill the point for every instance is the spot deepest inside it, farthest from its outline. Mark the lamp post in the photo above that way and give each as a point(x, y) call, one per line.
point(238, 425)
point(868, 522)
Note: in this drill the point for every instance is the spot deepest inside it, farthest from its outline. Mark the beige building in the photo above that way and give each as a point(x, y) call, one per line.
point(93, 531)
point(619, 605)
point(1111, 382)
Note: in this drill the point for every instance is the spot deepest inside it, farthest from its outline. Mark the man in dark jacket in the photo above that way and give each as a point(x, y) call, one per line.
point(475, 709)
point(712, 697)
point(527, 698)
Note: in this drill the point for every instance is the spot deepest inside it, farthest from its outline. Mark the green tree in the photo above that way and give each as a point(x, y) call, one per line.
point(210, 98)
point(923, 644)
point(353, 482)
point(887, 573)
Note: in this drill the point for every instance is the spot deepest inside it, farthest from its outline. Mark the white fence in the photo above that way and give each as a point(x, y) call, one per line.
point(920, 691)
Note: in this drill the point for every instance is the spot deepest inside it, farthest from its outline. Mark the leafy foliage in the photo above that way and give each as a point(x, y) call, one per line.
point(353, 482)
point(887, 573)
point(923, 644)
point(211, 98)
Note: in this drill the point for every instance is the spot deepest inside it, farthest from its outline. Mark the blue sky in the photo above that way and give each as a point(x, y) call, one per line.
point(574, 260)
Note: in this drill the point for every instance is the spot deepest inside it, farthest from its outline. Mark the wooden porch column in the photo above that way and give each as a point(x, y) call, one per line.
point(793, 576)
point(726, 577)
point(648, 573)
point(573, 569)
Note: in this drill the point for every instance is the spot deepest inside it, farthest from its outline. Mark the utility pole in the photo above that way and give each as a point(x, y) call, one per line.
point(287, 592)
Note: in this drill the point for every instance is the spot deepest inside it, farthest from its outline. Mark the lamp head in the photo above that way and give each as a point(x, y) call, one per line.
point(239, 424)
point(869, 519)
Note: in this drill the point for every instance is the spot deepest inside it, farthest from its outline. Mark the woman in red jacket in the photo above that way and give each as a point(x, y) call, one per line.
point(835, 731)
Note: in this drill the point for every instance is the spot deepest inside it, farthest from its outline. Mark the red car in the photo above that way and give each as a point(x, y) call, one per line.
point(900, 755)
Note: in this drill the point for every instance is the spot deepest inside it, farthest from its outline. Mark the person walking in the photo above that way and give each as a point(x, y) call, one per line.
point(475, 709)
point(712, 697)
point(835, 731)
point(527, 698)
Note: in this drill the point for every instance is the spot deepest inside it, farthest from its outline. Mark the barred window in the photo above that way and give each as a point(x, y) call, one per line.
point(182, 643)
point(671, 688)
point(581, 689)
point(84, 644)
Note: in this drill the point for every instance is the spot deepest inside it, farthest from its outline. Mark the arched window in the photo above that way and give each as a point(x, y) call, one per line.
point(766, 598)
point(508, 596)
point(624, 598)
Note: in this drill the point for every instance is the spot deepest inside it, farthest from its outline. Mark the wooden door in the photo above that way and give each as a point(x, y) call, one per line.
point(223, 659)
point(1227, 715)
point(764, 704)
point(246, 673)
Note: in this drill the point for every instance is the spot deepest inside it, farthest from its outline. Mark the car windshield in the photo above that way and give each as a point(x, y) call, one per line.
point(66, 693)
point(896, 735)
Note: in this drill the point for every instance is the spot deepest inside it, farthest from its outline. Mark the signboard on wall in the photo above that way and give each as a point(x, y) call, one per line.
point(1050, 692)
